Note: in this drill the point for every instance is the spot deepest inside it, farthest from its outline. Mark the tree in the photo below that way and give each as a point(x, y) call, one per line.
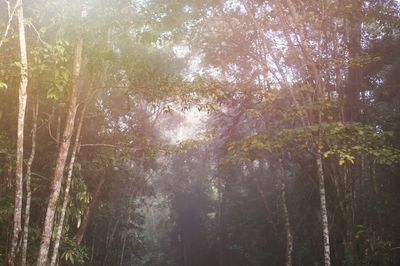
point(62, 153)
point(202, 132)
point(20, 133)
point(27, 213)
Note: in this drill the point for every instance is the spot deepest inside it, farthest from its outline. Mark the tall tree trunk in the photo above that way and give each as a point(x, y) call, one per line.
point(28, 184)
point(121, 262)
point(58, 130)
point(20, 137)
point(92, 206)
point(55, 186)
point(324, 211)
point(375, 195)
point(110, 239)
point(93, 243)
point(263, 197)
point(352, 91)
point(67, 188)
point(288, 228)
point(220, 236)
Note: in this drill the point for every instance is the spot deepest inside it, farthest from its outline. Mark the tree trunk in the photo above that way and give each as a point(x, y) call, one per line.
point(58, 130)
point(220, 236)
point(20, 137)
point(324, 211)
point(67, 188)
point(28, 185)
point(92, 206)
point(352, 91)
point(288, 228)
point(110, 239)
point(263, 196)
point(61, 159)
point(93, 242)
point(320, 90)
point(121, 262)
point(261, 193)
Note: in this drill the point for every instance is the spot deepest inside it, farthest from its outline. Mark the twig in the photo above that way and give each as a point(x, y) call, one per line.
point(43, 177)
point(38, 35)
point(49, 127)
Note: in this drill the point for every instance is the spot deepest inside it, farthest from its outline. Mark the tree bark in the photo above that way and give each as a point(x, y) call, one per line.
point(288, 228)
point(67, 188)
point(55, 186)
point(324, 211)
point(28, 185)
point(20, 137)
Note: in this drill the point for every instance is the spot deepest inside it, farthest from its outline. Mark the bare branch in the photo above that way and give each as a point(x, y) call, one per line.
point(49, 127)
point(10, 18)
point(38, 35)
point(105, 145)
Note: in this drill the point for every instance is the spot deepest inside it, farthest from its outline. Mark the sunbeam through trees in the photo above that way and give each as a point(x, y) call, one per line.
point(200, 133)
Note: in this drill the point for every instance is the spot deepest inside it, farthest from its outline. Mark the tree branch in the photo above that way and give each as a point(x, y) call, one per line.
point(10, 18)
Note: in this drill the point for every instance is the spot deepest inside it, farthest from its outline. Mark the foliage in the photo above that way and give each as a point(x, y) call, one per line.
point(263, 92)
point(73, 253)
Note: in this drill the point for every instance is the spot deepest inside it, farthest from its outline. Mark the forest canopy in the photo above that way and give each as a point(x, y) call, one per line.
point(194, 133)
